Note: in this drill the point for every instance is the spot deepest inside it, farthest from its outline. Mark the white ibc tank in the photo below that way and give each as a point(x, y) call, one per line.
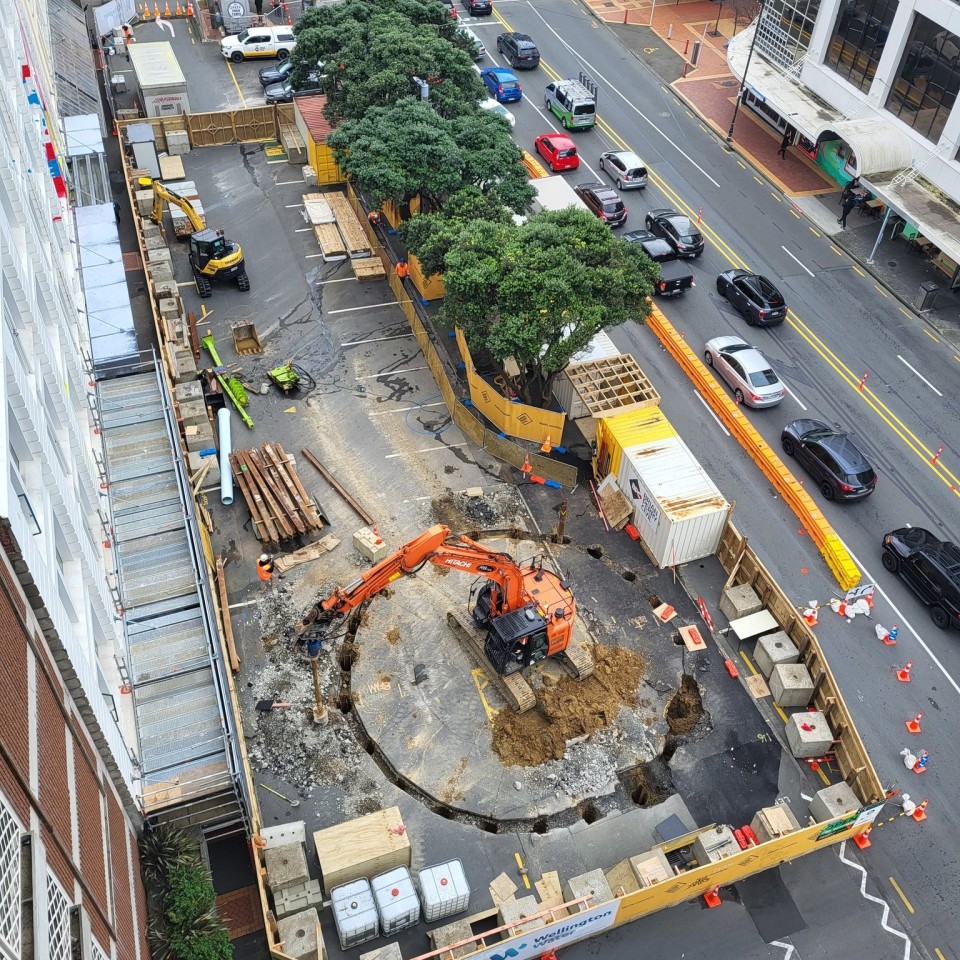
point(354, 913)
point(396, 900)
point(444, 890)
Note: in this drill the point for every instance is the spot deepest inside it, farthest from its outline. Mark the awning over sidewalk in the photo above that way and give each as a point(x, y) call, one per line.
point(879, 146)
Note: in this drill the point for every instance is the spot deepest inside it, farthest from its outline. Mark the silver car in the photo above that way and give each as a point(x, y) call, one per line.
point(746, 370)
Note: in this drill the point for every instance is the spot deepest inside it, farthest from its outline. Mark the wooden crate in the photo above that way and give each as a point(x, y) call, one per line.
point(362, 848)
point(368, 268)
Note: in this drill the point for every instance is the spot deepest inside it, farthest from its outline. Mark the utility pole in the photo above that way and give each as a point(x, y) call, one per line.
point(743, 82)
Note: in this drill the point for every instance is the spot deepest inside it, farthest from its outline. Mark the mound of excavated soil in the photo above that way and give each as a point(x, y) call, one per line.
point(569, 709)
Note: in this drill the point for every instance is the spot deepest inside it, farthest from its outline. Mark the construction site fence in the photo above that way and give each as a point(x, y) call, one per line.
point(743, 566)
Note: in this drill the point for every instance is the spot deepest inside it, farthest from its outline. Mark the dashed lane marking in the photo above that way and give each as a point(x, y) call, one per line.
point(883, 293)
point(927, 332)
point(858, 270)
point(443, 446)
point(901, 894)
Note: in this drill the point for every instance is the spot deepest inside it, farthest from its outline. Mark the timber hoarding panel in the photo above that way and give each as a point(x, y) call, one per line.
point(744, 566)
point(514, 419)
point(252, 125)
point(694, 883)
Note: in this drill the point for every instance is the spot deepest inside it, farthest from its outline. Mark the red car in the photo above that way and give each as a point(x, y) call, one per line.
point(558, 150)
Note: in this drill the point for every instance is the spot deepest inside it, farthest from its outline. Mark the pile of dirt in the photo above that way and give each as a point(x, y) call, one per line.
point(569, 710)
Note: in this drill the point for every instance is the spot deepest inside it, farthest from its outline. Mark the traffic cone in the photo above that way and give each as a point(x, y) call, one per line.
point(156, 8)
point(914, 725)
point(712, 898)
point(115, 127)
point(923, 761)
point(862, 840)
point(903, 674)
point(179, 11)
point(919, 814)
point(376, 533)
point(189, 8)
point(526, 468)
point(166, 9)
point(547, 445)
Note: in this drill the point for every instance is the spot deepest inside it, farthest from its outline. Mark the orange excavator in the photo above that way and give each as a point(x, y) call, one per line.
point(527, 609)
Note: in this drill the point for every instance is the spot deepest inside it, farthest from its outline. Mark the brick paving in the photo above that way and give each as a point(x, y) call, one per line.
point(240, 911)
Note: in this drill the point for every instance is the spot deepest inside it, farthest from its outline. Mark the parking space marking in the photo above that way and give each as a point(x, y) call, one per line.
point(419, 406)
point(372, 306)
point(304, 230)
point(233, 77)
point(292, 206)
point(323, 283)
point(390, 373)
point(287, 183)
point(357, 343)
point(443, 446)
point(312, 256)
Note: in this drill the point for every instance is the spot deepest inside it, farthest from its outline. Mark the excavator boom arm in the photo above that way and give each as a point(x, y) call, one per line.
point(161, 193)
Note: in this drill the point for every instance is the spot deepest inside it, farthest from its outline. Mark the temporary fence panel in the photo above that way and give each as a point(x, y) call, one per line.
point(252, 125)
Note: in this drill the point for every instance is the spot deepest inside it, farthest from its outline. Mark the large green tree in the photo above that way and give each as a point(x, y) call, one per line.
point(538, 292)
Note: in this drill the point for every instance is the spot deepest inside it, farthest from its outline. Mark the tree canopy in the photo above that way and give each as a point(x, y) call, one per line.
point(537, 292)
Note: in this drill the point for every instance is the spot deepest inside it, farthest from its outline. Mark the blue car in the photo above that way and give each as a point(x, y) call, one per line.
point(502, 84)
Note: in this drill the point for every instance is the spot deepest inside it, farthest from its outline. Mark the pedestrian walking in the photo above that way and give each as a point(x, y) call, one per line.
point(264, 570)
point(848, 205)
point(116, 211)
point(786, 142)
point(259, 5)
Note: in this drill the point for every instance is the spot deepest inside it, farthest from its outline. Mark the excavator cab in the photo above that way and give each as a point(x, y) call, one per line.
point(514, 640)
point(207, 245)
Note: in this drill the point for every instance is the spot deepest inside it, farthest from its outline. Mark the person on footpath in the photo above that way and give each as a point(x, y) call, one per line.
point(848, 205)
point(401, 269)
point(786, 142)
point(259, 7)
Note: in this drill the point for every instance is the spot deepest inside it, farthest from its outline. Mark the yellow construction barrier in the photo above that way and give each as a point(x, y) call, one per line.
point(838, 559)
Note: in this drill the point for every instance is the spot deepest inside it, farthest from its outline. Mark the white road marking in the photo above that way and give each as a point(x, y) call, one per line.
point(304, 230)
point(293, 206)
point(243, 603)
point(312, 256)
point(902, 620)
point(416, 499)
point(712, 414)
point(871, 897)
point(371, 306)
point(789, 947)
point(390, 373)
point(920, 375)
point(800, 403)
point(624, 98)
point(287, 183)
point(357, 343)
point(419, 406)
point(323, 283)
point(443, 446)
point(803, 796)
point(795, 260)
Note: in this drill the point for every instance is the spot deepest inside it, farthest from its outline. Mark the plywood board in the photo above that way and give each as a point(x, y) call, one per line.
point(757, 687)
point(331, 243)
point(616, 507)
point(316, 209)
point(368, 268)
point(692, 639)
point(354, 236)
point(502, 889)
point(362, 848)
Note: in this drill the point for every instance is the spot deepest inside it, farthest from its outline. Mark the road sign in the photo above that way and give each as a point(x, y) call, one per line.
point(236, 10)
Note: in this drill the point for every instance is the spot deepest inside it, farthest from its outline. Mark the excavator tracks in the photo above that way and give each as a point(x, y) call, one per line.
point(513, 687)
point(576, 660)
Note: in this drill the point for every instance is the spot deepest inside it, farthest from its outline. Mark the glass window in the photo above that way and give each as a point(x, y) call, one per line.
point(784, 28)
point(927, 82)
point(859, 36)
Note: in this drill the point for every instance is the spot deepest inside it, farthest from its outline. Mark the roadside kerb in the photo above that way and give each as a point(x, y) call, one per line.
point(828, 543)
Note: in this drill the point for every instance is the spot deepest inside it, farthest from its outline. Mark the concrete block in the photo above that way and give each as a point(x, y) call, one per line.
point(474, 493)
point(299, 897)
point(159, 254)
point(770, 823)
point(593, 885)
point(309, 175)
point(195, 462)
point(389, 951)
point(454, 932)
point(286, 865)
point(193, 412)
point(513, 913)
point(154, 242)
point(296, 830)
point(813, 742)
point(191, 390)
point(199, 437)
point(833, 801)
point(791, 685)
point(299, 934)
point(170, 309)
point(151, 230)
point(365, 543)
point(184, 367)
point(160, 272)
point(715, 845)
point(739, 601)
point(774, 648)
point(144, 201)
point(165, 289)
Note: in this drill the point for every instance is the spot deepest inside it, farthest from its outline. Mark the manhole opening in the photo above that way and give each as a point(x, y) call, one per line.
point(629, 576)
point(345, 703)
point(655, 601)
point(647, 784)
point(367, 745)
point(540, 825)
point(640, 796)
point(686, 707)
point(669, 749)
point(589, 813)
point(595, 551)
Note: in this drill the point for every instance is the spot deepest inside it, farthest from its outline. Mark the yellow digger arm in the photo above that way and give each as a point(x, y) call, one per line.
point(161, 193)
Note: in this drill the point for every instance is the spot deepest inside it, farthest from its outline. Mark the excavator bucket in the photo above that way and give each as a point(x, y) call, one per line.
point(246, 340)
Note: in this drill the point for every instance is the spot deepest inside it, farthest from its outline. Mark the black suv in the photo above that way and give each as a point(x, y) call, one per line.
point(760, 302)
point(931, 567)
point(677, 230)
point(832, 458)
point(478, 8)
point(603, 201)
point(519, 50)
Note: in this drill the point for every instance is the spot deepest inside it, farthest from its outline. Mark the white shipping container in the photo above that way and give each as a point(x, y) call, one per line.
point(554, 193)
point(396, 900)
point(354, 913)
point(444, 890)
point(601, 347)
point(678, 510)
point(160, 81)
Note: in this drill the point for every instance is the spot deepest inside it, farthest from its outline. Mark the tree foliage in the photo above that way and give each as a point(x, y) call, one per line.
point(537, 292)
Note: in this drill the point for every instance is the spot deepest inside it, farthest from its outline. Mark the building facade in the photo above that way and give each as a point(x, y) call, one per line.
point(69, 878)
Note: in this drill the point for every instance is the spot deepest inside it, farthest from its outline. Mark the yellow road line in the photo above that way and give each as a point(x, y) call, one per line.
point(481, 683)
point(905, 313)
point(742, 164)
point(940, 956)
point(794, 212)
point(523, 872)
point(858, 270)
point(233, 77)
point(955, 357)
point(927, 332)
point(880, 290)
point(901, 894)
point(775, 197)
point(835, 250)
point(816, 233)
point(755, 177)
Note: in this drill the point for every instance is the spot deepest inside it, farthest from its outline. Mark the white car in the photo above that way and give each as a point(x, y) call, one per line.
point(746, 370)
point(500, 110)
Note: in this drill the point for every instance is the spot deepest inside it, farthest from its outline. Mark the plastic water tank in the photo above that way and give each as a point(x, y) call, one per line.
point(354, 913)
point(444, 890)
point(396, 900)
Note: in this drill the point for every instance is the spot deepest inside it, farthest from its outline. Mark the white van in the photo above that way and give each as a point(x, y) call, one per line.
point(259, 42)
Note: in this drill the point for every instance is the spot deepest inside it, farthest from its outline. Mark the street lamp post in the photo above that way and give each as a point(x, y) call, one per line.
point(743, 82)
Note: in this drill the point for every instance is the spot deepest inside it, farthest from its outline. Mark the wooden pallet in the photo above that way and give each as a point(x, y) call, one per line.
point(354, 236)
point(368, 268)
point(278, 504)
point(331, 243)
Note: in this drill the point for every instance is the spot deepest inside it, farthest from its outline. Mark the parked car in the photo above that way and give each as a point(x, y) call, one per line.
point(477, 50)
point(757, 299)
point(746, 370)
point(518, 50)
point(259, 42)
point(558, 150)
point(478, 8)
point(277, 74)
point(449, 5)
point(603, 201)
point(676, 278)
point(502, 84)
point(831, 457)
point(625, 169)
point(285, 92)
point(677, 230)
point(931, 568)
point(500, 110)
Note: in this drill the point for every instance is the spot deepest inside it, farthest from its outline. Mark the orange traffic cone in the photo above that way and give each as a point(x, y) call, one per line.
point(526, 468)
point(919, 814)
point(903, 674)
point(179, 11)
point(156, 8)
point(114, 127)
point(862, 840)
point(547, 445)
point(712, 898)
point(166, 9)
point(376, 533)
point(914, 725)
point(189, 9)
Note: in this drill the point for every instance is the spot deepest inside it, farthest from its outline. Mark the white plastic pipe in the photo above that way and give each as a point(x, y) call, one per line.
point(226, 474)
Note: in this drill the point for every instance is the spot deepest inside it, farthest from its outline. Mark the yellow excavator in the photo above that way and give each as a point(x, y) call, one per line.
point(212, 256)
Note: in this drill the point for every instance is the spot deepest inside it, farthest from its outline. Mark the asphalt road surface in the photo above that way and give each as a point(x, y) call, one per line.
point(841, 325)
